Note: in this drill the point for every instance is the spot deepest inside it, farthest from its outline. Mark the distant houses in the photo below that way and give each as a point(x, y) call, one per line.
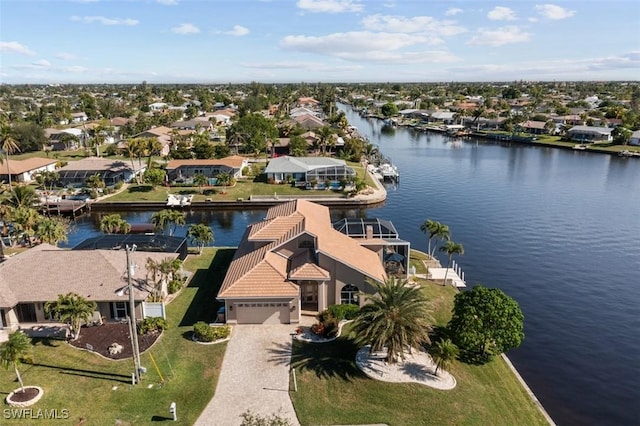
point(25, 171)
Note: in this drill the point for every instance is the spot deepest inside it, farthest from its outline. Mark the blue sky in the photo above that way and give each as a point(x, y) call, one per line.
point(200, 41)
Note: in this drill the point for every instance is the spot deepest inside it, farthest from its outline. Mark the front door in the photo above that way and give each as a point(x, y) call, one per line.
point(26, 312)
point(309, 293)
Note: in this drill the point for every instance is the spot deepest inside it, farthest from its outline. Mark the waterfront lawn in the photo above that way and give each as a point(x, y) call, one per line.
point(83, 382)
point(332, 390)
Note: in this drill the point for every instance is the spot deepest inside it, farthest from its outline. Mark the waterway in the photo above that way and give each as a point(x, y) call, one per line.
point(557, 230)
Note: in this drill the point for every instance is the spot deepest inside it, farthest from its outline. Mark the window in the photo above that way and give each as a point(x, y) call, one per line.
point(120, 310)
point(349, 295)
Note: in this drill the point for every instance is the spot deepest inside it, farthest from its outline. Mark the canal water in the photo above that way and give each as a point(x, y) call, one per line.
point(557, 230)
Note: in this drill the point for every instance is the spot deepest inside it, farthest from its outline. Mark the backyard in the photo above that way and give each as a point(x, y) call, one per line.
point(98, 391)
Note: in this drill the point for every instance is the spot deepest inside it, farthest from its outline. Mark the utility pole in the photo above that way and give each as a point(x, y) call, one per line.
point(132, 315)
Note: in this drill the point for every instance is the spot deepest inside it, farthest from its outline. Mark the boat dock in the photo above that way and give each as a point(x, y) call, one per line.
point(65, 208)
point(454, 276)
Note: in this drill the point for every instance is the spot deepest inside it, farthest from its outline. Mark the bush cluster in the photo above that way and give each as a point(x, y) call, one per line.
point(151, 324)
point(203, 332)
point(174, 286)
point(344, 312)
point(327, 325)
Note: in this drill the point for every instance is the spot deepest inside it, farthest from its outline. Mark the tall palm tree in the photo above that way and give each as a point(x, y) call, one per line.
point(451, 248)
point(397, 317)
point(72, 309)
point(153, 271)
point(16, 348)
point(9, 146)
point(435, 230)
point(51, 230)
point(325, 133)
point(444, 353)
point(160, 220)
point(201, 234)
point(175, 218)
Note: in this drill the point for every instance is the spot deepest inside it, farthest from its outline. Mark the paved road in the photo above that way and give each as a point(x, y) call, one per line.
point(254, 376)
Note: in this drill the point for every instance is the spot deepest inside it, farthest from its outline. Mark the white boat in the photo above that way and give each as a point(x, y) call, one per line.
point(179, 200)
point(388, 171)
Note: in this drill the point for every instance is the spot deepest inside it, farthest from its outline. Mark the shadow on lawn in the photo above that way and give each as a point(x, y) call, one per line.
point(122, 378)
point(333, 359)
point(203, 307)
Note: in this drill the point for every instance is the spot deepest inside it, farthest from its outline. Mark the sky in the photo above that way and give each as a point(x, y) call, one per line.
point(292, 41)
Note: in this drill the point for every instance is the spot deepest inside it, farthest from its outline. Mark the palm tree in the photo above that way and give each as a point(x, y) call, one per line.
point(13, 350)
point(201, 234)
point(200, 180)
point(397, 317)
point(23, 196)
point(224, 179)
point(72, 309)
point(95, 182)
point(435, 230)
point(160, 219)
point(114, 224)
point(26, 218)
point(9, 146)
point(444, 353)
point(51, 230)
point(175, 218)
point(325, 133)
point(451, 248)
point(153, 270)
point(235, 140)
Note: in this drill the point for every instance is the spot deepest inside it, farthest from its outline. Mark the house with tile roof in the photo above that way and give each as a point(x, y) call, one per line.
point(26, 170)
point(30, 279)
point(294, 260)
point(185, 169)
point(111, 171)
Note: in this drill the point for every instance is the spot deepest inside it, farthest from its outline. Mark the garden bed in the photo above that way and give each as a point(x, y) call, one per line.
point(98, 339)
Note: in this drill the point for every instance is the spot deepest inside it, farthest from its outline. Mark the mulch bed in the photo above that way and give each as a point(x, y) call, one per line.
point(98, 339)
point(28, 394)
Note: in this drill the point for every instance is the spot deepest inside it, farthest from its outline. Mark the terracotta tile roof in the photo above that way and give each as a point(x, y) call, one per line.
point(100, 164)
point(26, 165)
point(233, 161)
point(43, 272)
point(156, 131)
point(261, 266)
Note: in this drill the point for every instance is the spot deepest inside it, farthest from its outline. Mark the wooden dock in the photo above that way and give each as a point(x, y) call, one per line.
point(65, 208)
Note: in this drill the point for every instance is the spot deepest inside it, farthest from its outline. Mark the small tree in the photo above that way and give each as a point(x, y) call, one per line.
point(13, 350)
point(200, 180)
point(201, 234)
point(72, 309)
point(486, 322)
point(444, 353)
point(154, 177)
point(397, 317)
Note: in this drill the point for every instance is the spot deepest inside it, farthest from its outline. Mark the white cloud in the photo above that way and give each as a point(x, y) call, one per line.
point(66, 56)
point(185, 29)
point(453, 11)
point(237, 30)
point(41, 63)
point(425, 25)
point(105, 21)
point(500, 13)
point(367, 46)
point(499, 36)
point(76, 69)
point(168, 2)
point(15, 47)
point(551, 11)
point(330, 6)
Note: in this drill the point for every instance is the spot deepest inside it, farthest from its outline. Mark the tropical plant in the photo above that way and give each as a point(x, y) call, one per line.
point(486, 322)
point(451, 248)
point(23, 196)
point(154, 177)
point(435, 230)
point(200, 180)
point(224, 180)
point(114, 224)
point(444, 352)
point(9, 145)
point(396, 318)
point(51, 230)
point(95, 182)
point(25, 219)
point(175, 218)
point(160, 220)
point(166, 217)
point(16, 348)
point(201, 234)
point(72, 309)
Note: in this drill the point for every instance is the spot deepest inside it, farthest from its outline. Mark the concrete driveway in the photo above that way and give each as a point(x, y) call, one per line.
point(254, 376)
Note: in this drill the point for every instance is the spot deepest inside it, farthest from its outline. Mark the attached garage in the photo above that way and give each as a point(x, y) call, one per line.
point(262, 312)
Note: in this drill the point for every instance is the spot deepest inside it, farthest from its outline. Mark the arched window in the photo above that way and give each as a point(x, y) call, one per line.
point(349, 295)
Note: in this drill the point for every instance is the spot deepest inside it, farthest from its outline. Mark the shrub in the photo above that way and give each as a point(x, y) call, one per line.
point(203, 332)
point(151, 324)
point(174, 286)
point(330, 328)
point(344, 312)
point(94, 194)
point(118, 185)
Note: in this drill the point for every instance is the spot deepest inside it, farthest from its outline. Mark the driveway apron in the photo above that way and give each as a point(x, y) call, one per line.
point(254, 376)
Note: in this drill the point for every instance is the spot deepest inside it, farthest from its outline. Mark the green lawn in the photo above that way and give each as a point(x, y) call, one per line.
point(82, 382)
point(332, 390)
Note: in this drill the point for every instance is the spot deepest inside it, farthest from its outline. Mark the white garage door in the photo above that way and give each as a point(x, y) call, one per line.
point(263, 313)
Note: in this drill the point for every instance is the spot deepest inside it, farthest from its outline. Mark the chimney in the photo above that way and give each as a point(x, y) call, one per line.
point(369, 232)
